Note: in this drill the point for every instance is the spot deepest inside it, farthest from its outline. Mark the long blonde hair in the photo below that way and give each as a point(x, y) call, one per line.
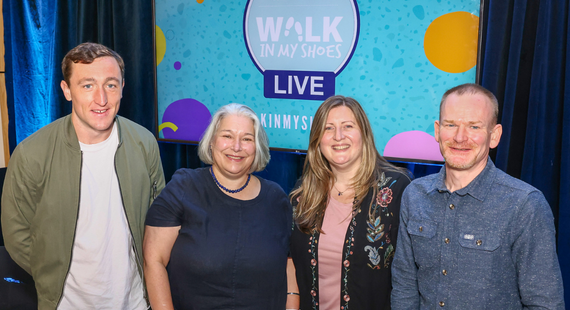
point(318, 178)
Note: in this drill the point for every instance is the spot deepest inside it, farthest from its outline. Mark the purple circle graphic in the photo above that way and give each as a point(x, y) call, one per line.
point(190, 116)
point(177, 65)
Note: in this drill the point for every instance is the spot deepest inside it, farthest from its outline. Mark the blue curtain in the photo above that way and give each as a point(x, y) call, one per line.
point(31, 65)
point(526, 65)
point(40, 32)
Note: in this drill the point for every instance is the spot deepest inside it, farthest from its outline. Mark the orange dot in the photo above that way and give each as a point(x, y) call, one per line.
point(199, 1)
point(450, 42)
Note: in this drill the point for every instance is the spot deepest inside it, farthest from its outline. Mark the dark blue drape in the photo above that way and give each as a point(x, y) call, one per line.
point(40, 32)
point(31, 65)
point(525, 64)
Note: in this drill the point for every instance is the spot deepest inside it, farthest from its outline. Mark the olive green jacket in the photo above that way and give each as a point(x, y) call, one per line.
point(40, 199)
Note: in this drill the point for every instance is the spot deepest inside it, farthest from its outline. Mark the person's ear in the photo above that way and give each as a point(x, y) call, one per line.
point(436, 130)
point(66, 90)
point(496, 133)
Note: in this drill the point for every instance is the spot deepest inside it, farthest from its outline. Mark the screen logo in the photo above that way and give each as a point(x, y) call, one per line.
point(300, 46)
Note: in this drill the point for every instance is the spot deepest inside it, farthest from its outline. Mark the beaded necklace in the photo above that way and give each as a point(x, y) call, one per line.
point(231, 191)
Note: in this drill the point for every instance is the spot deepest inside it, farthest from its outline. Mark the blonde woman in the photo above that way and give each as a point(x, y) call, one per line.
point(347, 205)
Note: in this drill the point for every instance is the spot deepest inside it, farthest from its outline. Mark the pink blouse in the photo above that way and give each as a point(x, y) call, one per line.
point(335, 223)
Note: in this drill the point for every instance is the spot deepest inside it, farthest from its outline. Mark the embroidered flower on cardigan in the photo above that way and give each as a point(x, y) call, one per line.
point(384, 197)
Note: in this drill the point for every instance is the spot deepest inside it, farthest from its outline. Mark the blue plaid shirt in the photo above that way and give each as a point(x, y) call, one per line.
point(489, 245)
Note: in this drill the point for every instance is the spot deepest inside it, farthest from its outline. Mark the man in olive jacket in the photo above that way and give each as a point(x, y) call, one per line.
point(77, 191)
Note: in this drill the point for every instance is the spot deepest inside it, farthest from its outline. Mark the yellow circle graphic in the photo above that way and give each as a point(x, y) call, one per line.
point(199, 1)
point(160, 45)
point(450, 42)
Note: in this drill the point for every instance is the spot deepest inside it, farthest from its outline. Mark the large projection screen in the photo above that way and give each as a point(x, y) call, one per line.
point(283, 58)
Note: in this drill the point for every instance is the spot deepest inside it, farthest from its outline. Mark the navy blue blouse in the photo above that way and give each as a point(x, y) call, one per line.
point(230, 253)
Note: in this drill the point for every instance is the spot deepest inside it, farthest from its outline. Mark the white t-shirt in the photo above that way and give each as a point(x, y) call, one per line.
point(103, 272)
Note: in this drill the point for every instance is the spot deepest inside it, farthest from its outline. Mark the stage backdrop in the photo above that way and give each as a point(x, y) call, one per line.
point(284, 57)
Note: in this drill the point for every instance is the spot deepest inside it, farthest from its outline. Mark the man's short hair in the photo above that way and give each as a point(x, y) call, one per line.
point(86, 53)
point(473, 89)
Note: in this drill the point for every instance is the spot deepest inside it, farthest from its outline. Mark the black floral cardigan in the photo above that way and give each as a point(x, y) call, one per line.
point(368, 251)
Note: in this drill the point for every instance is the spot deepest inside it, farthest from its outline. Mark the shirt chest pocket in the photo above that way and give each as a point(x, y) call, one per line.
point(478, 248)
point(423, 235)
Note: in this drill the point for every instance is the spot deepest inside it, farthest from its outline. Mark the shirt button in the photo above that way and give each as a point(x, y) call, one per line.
point(441, 304)
point(446, 240)
point(444, 272)
point(451, 206)
point(421, 228)
point(479, 242)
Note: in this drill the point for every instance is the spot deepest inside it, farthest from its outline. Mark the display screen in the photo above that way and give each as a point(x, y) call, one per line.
point(283, 58)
